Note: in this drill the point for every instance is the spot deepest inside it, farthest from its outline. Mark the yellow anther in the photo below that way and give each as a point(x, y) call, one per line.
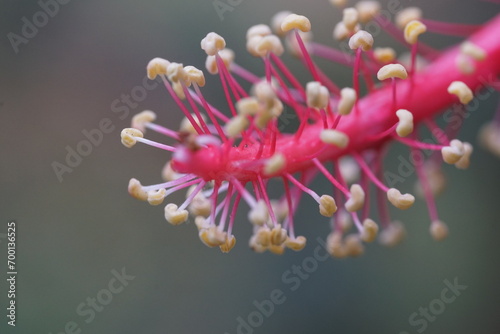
point(296, 244)
point(464, 161)
point(212, 43)
point(370, 230)
point(275, 164)
point(384, 55)
point(135, 190)
point(357, 199)
point(405, 125)
point(264, 92)
point(278, 235)
point(227, 56)
point(212, 236)
point(339, 3)
point(438, 230)
point(155, 197)
point(399, 200)
point(454, 152)
point(276, 21)
point(200, 205)
point(335, 245)
point(362, 39)
point(157, 66)
point(392, 71)
point(367, 10)
point(263, 236)
point(187, 126)
point(465, 64)
point(340, 32)
point(413, 29)
point(461, 90)
point(294, 21)
point(347, 100)
point(175, 216)
point(255, 246)
point(175, 72)
point(228, 244)
point(140, 120)
point(350, 18)
point(334, 137)
point(267, 44)
point(407, 15)
point(178, 89)
point(392, 235)
point(353, 245)
point(194, 74)
point(472, 50)
point(248, 106)
point(259, 214)
point(327, 206)
point(129, 136)
point(489, 136)
point(236, 125)
point(317, 95)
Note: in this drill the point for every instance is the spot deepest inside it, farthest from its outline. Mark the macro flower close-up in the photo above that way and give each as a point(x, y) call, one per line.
point(319, 167)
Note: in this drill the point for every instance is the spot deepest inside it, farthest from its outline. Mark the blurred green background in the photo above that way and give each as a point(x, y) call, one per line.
point(73, 234)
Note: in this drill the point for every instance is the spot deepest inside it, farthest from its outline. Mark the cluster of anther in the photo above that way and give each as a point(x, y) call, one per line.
point(218, 157)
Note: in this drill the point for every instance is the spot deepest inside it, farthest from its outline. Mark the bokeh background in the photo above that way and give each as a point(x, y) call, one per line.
point(72, 234)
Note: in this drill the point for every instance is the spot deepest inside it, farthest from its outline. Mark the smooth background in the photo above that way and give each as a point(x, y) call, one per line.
point(72, 234)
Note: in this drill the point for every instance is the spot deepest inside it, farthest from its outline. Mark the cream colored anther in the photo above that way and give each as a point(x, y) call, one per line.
point(193, 74)
point(157, 66)
point(294, 21)
point(334, 137)
point(212, 43)
point(267, 44)
point(340, 32)
point(461, 90)
point(339, 3)
point(175, 216)
point(258, 30)
point(168, 174)
point(140, 120)
point(472, 50)
point(357, 199)
point(349, 169)
point(370, 230)
point(350, 18)
point(276, 21)
point(392, 71)
point(227, 56)
point(248, 106)
point(347, 101)
point(465, 64)
point(327, 206)
point(454, 152)
point(212, 236)
point(464, 161)
point(384, 55)
point(228, 244)
point(274, 164)
point(201, 223)
point(296, 244)
point(407, 15)
point(236, 125)
point(187, 126)
point(129, 136)
point(362, 39)
point(175, 72)
point(135, 190)
point(278, 235)
point(405, 124)
point(262, 236)
point(264, 92)
point(392, 235)
point(335, 245)
point(438, 230)
point(155, 197)
point(259, 214)
point(178, 89)
point(399, 200)
point(317, 95)
point(265, 115)
point(353, 245)
point(413, 29)
point(367, 10)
